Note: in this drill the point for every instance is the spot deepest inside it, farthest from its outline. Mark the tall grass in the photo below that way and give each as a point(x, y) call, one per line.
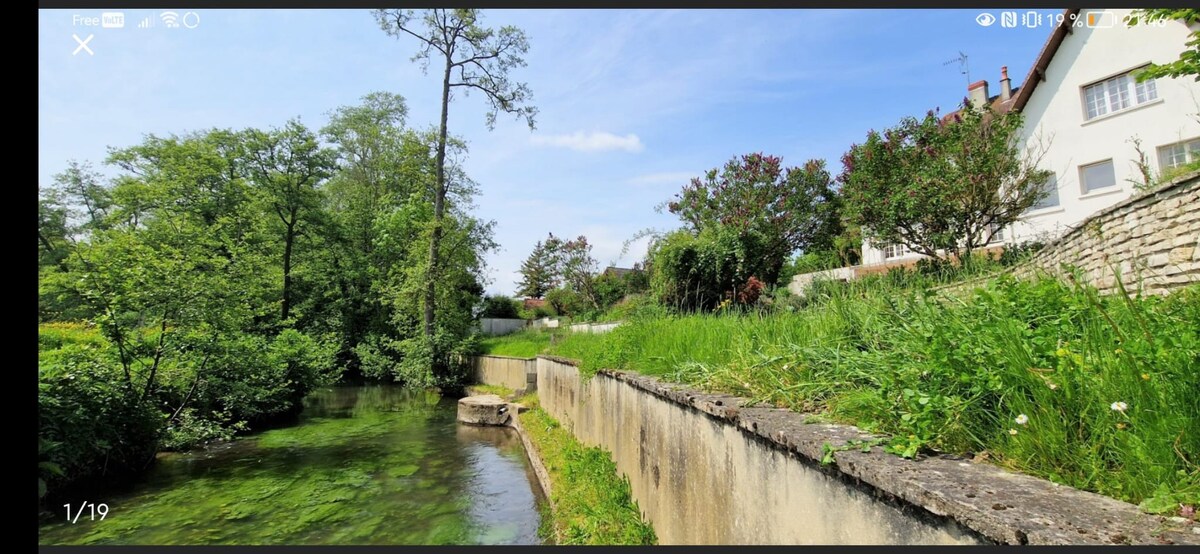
point(955, 373)
point(522, 344)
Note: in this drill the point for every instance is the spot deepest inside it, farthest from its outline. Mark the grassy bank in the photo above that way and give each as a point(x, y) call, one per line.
point(1042, 376)
point(524, 344)
point(591, 502)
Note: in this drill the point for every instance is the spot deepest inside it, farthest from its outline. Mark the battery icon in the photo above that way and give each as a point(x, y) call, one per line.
point(1100, 19)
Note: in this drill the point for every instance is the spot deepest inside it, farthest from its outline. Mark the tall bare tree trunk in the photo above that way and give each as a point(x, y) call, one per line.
point(439, 206)
point(288, 239)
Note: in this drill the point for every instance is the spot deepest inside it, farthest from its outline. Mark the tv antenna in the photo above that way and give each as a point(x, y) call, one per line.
point(962, 65)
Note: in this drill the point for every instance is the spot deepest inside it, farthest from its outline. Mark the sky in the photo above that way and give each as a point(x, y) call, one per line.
point(632, 103)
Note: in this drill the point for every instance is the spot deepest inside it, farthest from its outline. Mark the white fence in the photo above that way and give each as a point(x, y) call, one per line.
point(500, 326)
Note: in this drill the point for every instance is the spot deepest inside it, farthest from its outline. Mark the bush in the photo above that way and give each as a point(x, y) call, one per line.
point(502, 307)
point(567, 302)
point(1016, 253)
point(91, 423)
point(701, 271)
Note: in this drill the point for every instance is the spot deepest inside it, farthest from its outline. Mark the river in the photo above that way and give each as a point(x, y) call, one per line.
point(363, 465)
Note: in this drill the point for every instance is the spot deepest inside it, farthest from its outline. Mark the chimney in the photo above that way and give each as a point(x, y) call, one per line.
point(977, 93)
point(1005, 84)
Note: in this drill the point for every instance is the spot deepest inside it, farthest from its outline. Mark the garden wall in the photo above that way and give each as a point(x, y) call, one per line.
point(708, 469)
point(1152, 239)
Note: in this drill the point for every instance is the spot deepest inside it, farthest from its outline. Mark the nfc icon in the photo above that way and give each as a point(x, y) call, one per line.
point(1008, 19)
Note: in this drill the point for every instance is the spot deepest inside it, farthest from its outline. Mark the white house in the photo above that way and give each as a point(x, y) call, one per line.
point(1083, 112)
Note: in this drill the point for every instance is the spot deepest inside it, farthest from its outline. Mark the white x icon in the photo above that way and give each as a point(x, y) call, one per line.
point(83, 45)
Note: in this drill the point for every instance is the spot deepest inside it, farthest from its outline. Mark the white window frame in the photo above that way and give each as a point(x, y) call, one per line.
point(1083, 186)
point(1116, 93)
point(1191, 153)
point(894, 250)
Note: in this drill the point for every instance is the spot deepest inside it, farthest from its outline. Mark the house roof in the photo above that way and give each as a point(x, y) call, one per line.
point(998, 105)
point(1037, 73)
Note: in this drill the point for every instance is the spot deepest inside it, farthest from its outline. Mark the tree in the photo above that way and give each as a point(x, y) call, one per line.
point(473, 57)
point(1189, 60)
point(942, 187)
point(288, 164)
point(539, 272)
point(81, 184)
point(578, 268)
point(793, 208)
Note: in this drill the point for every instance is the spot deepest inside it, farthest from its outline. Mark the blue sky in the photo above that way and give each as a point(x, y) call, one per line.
point(632, 102)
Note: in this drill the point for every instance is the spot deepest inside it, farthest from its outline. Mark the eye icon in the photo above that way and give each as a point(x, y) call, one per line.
point(985, 19)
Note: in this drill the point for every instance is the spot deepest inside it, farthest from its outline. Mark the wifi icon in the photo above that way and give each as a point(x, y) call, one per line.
point(170, 19)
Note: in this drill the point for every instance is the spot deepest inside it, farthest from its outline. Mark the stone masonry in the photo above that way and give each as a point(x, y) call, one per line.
point(1151, 241)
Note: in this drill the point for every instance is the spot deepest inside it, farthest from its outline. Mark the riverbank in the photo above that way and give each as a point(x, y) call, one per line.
point(589, 501)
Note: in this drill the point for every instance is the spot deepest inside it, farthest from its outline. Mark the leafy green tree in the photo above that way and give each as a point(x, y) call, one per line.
point(500, 306)
point(288, 165)
point(942, 187)
point(472, 57)
point(578, 268)
point(790, 209)
point(1189, 60)
point(539, 271)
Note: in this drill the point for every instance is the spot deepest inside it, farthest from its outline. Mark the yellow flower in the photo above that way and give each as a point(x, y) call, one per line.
point(1145, 376)
point(1118, 351)
point(1120, 426)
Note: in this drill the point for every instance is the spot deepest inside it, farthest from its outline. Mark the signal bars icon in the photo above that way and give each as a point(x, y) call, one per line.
point(146, 23)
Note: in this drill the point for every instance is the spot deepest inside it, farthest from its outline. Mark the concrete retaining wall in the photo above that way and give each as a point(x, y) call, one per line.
point(707, 469)
point(544, 322)
point(499, 326)
point(594, 327)
point(518, 374)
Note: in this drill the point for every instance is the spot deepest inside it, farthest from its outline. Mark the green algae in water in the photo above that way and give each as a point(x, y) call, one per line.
point(365, 465)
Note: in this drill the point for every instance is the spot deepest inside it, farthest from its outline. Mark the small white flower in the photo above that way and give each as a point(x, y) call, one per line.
point(1022, 419)
point(1012, 431)
point(747, 385)
point(1119, 407)
point(1053, 386)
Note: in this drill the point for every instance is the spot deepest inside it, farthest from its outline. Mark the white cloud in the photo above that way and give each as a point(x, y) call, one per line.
point(596, 141)
point(665, 178)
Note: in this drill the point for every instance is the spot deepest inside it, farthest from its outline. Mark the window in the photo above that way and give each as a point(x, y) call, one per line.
point(1175, 155)
point(1051, 198)
point(1097, 176)
point(894, 250)
point(996, 232)
point(1116, 94)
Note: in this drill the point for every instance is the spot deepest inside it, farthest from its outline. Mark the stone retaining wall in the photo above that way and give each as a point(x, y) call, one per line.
point(1151, 240)
point(708, 469)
